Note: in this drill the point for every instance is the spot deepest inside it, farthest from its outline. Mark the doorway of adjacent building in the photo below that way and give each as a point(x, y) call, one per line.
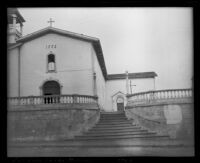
point(51, 88)
point(120, 104)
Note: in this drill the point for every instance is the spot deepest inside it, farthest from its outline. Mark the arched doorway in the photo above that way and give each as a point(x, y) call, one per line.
point(120, 104)
point(51, 88)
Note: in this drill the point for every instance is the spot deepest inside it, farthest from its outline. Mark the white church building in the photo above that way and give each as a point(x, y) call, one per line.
point(54, 61)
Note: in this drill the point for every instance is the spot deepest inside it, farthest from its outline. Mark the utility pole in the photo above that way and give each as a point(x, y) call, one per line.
point(127, 87)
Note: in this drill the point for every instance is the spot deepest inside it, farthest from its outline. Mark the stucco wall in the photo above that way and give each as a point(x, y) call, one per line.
point(114, 86)
point(12, 72)
point(100, 81)
point(35, 123)
point(73, 65)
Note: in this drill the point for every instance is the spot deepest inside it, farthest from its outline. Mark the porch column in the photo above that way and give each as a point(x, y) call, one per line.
point(95, 84)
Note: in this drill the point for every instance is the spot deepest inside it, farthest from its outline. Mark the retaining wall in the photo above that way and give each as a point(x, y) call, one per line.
point(50, 122)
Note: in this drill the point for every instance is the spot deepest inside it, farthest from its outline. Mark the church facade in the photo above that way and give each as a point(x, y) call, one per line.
point(52, 61)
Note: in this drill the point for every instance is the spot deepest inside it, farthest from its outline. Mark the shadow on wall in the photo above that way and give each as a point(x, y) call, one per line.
point(175, 120)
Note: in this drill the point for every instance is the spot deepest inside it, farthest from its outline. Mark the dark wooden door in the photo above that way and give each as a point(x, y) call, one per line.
point(51, 88)
point(120, 106)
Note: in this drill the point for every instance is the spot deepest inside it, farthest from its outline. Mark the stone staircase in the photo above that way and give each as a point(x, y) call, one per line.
point(113, 136)
point(115, 125)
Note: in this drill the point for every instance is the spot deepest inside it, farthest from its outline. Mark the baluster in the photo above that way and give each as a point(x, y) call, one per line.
point(190, 93)
point(61, 99)
point(40, 100)
point(158, 95)
point(186, 93)
point(37, 102)
point(167, 94)
point(55, 99)
point(175, 94)
point(67, 99)
point(163, 94)
point(180, 95)
point(172, 94)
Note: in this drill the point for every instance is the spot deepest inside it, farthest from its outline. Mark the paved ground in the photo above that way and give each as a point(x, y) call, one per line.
point(99, 152)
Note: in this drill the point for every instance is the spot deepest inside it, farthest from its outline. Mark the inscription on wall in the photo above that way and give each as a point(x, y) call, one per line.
point(51, 46)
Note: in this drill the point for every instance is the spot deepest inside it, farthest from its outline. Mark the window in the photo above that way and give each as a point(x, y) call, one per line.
point(51, 63)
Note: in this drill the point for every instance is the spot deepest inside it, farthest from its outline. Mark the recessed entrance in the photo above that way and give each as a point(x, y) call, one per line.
point(51, 88)
point(120, 104)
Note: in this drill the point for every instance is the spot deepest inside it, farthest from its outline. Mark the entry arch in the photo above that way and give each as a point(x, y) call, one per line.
point(51, 87)
point(120, 103)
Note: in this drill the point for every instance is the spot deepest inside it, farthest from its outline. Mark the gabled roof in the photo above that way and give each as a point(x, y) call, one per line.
point(119, 92)
point(57, 31)
point(131, 75)
point(95, 42)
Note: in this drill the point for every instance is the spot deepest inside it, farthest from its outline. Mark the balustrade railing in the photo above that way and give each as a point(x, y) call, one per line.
point(53, 99)
point(152, 96)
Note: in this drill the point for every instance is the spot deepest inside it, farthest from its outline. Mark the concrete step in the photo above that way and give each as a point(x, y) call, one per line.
point(121, 129)
point(115, 122)
point(118, 134)
point(116, 131)
point(114, 125)
point(152, 135)
point(113, 118)
point(112, 113)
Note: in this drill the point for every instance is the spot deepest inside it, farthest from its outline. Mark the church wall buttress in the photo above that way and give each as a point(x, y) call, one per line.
point(12, 72)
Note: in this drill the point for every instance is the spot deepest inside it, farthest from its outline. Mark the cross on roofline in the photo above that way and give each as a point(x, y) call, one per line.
point(50, 22)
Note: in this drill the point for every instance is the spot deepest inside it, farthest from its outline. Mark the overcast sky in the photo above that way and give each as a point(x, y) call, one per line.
point(133, 39)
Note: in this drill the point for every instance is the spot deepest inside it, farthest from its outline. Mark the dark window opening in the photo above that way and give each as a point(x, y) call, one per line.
point(51, 62)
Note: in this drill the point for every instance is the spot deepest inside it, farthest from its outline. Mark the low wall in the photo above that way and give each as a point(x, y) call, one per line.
point(173, 118)
point(50, 122)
